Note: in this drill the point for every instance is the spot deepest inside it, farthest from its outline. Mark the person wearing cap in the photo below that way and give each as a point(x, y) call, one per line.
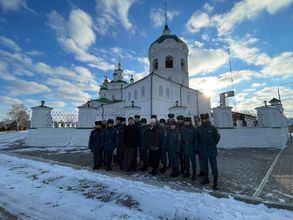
point(196, 119)
point(118, 122)
point(143, 144)
point(162, 139)
point(170, 118)
point(131, 138)
point(137, 120)
point(109, 138)
point(208, 137)
point(120, 140)
point(154, 151)
point(180, 125)
point(172, 145)
point(95, 144)
point(189, 144)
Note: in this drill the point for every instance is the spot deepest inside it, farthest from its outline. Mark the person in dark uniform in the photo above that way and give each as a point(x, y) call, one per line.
point(137, 120)
point(120, 140)
point(180, 125)
point(189, 144)
point(162, 139)
point(118, 122)
point(199, 156)
point(95, 144)
point(143, 144)
point(154, 152)
point(172, 145)
point(131, 138)
point(109, 138)
point(208, 138)
point(170, 118)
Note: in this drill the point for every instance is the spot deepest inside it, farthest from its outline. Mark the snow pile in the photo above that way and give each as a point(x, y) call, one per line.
point(48, 191)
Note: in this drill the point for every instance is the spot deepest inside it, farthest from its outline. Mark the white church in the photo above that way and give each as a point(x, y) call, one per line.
point(164, 90)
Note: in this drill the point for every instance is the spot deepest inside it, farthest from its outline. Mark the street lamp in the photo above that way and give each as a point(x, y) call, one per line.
point(279, 95)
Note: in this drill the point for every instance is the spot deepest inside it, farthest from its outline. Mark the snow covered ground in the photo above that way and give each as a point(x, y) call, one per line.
point(33, 189)
point(8, 138)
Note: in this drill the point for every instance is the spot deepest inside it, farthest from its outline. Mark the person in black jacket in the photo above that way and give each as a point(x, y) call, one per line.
point(131, 138)
point(154, 150)
point(208, 137)
point(95, 144)
point(120, 140)
point(143, 144)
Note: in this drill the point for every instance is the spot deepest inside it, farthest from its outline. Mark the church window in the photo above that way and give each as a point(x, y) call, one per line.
point(135, 94)
point(182, 64)
point(155, 64)
point(161, 92)
point(169, 62)
point(167, 92)
point(142, 92)
point(129, 96)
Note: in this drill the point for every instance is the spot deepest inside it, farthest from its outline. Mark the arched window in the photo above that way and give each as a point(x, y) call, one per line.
point(142, 91)
point(135, 94)
point(167, 92)
point(129, 96)
point(182, 64)
point(155, 64)
point(169, 62)
point(161, 92)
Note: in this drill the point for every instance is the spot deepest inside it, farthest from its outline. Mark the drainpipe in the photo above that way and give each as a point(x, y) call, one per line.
point(121, 92)
point(180, 94)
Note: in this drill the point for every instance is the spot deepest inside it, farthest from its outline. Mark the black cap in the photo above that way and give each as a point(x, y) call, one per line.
point(170, 115)
point(204, 116)
point(180, 117)
point(137, 116)
point(123, 119)
point(187, 119)
point(143, 120)
point(162, 120)
point(98, 122)
point(110, 121)
point(130, 118)
point(118, 118)
point(154, 116)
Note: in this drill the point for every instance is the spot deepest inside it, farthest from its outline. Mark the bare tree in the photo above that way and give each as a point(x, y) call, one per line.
point(18, 112)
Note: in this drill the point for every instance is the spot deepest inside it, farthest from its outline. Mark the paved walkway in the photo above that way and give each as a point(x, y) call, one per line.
point(279, 187)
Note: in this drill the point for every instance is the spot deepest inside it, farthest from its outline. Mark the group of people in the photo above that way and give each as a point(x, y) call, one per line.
point(159, 145)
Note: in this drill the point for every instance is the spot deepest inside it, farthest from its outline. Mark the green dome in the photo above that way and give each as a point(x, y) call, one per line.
point(166, 35)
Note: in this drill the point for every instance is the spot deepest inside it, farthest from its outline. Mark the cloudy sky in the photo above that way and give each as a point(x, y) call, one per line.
point(60, 51)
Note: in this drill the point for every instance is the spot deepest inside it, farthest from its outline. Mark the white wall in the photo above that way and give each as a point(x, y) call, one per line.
point(230, 138)
point(253, 137)
point(60, 137)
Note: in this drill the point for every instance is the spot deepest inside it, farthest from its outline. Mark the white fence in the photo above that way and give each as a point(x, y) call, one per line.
point(230, 138)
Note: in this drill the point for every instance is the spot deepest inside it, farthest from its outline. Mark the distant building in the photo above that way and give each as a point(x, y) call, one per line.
point(164, 90)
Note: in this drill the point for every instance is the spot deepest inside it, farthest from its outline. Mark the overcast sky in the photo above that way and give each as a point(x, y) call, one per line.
point(60, 51)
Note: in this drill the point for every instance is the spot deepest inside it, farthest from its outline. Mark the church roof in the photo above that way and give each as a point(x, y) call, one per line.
point(167, 36)
point(274, 100)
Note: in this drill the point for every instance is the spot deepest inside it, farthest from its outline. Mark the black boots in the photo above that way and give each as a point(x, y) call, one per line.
point(143, 168)
point(205, 180)
point(96, 167)
point(163, 169)
point(154, 172)
point(186, 174)
point(215, 186)
point(174, 173)
point(193, 176)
